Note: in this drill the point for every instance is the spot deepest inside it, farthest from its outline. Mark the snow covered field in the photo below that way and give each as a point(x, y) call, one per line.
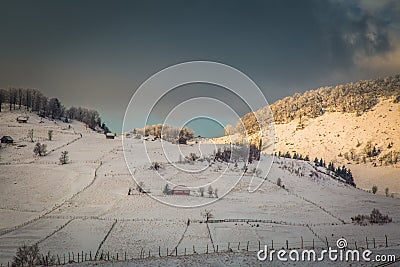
point(85, 206)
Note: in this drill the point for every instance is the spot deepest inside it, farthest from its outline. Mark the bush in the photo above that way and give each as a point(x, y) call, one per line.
point(155, 166)
point(40, 149)
point(27, 256)
point(376, 217)
point(387, 191)
point(192, 157)
point(30, 256)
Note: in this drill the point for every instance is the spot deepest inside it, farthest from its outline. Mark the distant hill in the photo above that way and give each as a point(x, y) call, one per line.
point(32, 100)
point(356, 124)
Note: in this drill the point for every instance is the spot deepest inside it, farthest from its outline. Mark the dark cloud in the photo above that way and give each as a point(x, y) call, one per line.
point(349, 29)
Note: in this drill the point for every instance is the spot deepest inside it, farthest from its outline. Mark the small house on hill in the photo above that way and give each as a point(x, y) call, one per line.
point(180, 190)
point(110, 135)
point(7, 140)
point(22, 119)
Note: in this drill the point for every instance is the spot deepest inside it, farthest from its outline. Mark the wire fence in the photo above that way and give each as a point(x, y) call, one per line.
point(206, 248)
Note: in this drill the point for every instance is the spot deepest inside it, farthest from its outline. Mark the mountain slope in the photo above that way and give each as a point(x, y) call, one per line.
point(344, 138)
point(356, 124)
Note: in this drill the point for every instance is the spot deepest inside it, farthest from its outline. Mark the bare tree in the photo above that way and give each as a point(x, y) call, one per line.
point(50, 134)
point(2, 97)
point(210, 191)
point(64, 157)
point(201, 191)
point(374, 189)
point(30, 134)
point(207, 215)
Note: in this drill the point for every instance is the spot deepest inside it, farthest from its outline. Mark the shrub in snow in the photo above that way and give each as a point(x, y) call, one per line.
point(64, 157)
point(40, 149)
point(376, 217)
point(374, 189)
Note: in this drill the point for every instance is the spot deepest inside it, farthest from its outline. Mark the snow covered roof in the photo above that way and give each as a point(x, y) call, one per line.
point(180, 188)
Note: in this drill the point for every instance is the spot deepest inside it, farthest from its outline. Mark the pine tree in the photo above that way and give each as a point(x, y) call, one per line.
point(166, 190)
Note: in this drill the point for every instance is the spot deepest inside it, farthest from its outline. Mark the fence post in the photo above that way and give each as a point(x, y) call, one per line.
point(247, 248)
point(386, 240)
point(194, 251)
point(176, 251)
point(78, 256)
point(287, 244)
point(313, 244)
point(90, 253)
point(355, 243)
point(149, 253)
point(327, 244)
point(125, 255)
point(302, 243)
point(64, 258)
point(374, 243)
point(82, 256)
point(217, 248)
point(228, 246)
point(185, 251)
point(366, 241)
point(117, 255)
point(159, 251)
point(58, 260)
point(207, 249)
point(272, 241)
point(259, 245)
point(238, 245)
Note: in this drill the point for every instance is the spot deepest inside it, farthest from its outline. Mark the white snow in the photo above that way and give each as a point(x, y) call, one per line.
point(72, 207)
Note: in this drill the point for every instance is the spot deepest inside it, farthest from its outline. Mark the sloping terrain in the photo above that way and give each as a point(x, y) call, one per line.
point(343, 137)
point(84, 206)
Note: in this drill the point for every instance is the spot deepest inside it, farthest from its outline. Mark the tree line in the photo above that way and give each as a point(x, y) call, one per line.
point(35, 101)
point(166, 132)
point(342, 172)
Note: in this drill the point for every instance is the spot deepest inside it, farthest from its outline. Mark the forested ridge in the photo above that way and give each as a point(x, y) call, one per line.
point(357, 97)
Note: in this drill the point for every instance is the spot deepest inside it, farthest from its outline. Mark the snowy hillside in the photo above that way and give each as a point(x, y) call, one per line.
point(84, 206)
